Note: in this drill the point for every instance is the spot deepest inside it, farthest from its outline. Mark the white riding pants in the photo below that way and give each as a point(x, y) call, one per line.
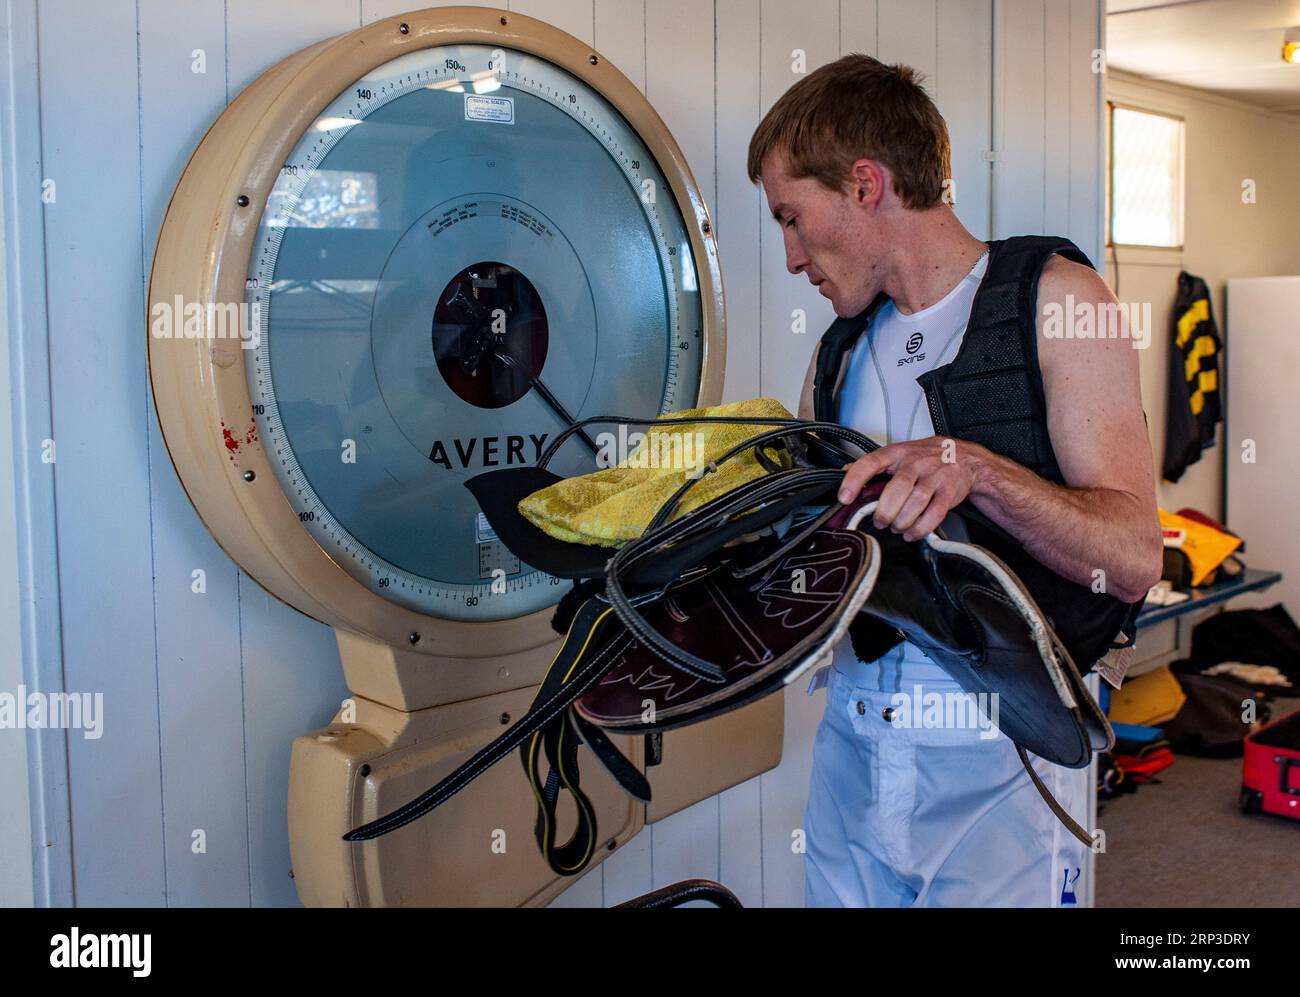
point(911, 809)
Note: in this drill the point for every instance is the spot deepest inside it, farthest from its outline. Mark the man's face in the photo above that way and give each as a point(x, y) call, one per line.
point(824, 236)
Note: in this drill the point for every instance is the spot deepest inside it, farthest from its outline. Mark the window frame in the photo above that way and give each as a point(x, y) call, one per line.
point(1181, 219)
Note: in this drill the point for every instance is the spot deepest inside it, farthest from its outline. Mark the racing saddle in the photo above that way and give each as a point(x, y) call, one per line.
point(715, 607)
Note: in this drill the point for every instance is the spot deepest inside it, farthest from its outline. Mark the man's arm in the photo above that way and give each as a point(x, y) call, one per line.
point(1105, 518)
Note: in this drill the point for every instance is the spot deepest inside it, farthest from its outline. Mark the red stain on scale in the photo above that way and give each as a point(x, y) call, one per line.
point(232, 444)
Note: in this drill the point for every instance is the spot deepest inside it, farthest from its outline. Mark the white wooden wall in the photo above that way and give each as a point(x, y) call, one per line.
point(205, 693)
point(15, 810)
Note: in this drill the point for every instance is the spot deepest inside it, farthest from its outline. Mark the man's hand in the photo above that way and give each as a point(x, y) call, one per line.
point(930, 477)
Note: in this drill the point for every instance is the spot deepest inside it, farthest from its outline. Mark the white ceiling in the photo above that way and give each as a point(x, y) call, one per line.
point(1230, 47)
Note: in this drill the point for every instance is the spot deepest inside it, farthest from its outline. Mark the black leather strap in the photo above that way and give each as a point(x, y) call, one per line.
point(661, 534)
point(738, 500)
point(582, 659)
point(792, 540)
point(789, 427)
point(686, 891)
point(616, 763)
point(559, 741)
point(1062, 814)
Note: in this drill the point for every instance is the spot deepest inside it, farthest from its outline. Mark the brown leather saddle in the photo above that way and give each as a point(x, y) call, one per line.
point(735, 599)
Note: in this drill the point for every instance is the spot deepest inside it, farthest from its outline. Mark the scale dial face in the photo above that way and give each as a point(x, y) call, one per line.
point(468, 249)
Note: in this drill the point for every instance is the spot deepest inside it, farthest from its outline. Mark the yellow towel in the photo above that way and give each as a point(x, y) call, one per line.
point(613, 505)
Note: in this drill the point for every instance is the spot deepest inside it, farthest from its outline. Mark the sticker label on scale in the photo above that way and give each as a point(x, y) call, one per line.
point(483, 531)
point(492, 553)
point(481, 108)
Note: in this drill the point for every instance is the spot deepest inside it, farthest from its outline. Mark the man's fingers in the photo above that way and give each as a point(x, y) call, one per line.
point(892, 497)
point(929, 520)
point(920, 493)
point(859, 473)
point(913, 507)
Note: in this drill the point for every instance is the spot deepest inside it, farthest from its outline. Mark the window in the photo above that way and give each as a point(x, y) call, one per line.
point(1145, 179)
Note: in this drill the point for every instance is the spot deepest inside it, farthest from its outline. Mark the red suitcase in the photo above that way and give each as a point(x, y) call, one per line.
point(1270, 769)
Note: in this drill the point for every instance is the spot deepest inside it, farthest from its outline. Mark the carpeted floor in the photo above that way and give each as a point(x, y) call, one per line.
point(1183, 842)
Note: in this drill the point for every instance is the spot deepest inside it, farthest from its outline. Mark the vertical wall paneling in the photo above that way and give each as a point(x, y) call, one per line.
point(907, 31)
point(620, 38)
point(680, 79)
point(40, 833)
point(785, 798)
point(261, 34)
point(377, 10)
point(1018, 184)
point(292, 681)
point(200, 700)
point(90, 149)
point(963, 91)
point(688, 844)
point(16, 879)
point(812, 28)
point(858, 23)
point(1086, 224)
point(740, 214)
point(587, 891)
point(577, 17)
point(627, 873)
point(739, 208)
point(1057, 98)
point(789, 302)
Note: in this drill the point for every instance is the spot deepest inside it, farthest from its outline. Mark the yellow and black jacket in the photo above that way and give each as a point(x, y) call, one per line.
point(1194, 408)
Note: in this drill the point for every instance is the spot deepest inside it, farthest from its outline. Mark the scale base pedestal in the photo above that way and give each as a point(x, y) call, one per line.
point(478, 848)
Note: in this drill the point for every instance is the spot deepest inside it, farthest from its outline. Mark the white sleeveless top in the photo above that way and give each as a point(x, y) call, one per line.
point(880, 397)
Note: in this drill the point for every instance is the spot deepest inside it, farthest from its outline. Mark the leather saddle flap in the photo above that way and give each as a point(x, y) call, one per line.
point(954, 606)
point(762, 630)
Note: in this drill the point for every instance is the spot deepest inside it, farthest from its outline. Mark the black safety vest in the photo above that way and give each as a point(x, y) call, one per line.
point(992, 394)
point(992, 391)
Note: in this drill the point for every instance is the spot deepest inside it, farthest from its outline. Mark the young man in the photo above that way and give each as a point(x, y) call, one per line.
point(854, 162)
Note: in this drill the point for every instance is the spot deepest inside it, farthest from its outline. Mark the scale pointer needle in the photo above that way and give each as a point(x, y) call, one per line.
point(548, 397)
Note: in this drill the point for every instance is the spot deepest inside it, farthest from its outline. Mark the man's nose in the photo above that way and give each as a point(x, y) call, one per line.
point(795, 258)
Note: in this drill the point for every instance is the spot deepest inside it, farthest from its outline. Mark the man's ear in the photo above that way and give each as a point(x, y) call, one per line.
point(867, 180)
